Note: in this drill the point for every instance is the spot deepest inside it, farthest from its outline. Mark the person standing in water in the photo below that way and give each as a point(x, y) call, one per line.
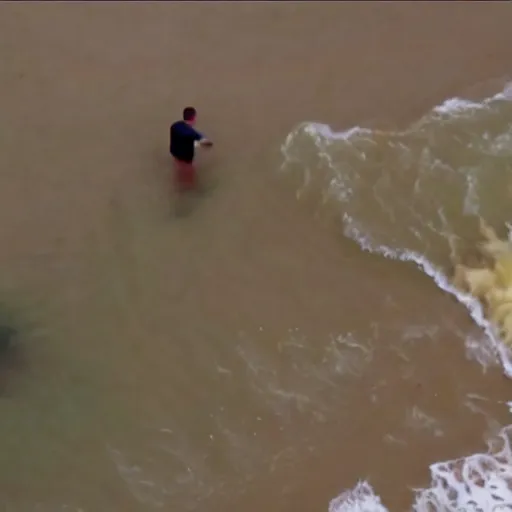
point(183, 140)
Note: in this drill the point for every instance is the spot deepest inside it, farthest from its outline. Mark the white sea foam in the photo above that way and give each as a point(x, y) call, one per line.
point(455, 106)
point(359, 499)
point(480, 482)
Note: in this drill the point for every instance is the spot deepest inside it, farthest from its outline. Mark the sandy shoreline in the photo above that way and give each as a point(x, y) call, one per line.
point(87, 94)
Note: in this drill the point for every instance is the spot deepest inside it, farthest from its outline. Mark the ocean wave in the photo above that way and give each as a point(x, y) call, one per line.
point(404, 195)
point(479, 483)
point(412, 196)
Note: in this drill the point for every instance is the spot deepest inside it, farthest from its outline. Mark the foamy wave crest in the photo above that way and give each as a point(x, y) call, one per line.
point(478, 483)
point(474, 307)
point(406, 195)
point(359, 499)
point(454, 106)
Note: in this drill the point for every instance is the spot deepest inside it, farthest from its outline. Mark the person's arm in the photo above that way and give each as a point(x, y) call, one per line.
point(202, 140)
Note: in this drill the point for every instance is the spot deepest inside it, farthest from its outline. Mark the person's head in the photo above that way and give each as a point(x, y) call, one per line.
point(189, 115)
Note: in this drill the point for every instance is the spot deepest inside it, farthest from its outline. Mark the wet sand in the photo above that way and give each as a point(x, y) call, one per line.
point(129, 295)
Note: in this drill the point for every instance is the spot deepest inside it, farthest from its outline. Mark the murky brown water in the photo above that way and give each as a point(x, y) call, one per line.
point(247, 355)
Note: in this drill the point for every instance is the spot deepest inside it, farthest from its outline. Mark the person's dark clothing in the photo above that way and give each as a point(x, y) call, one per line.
point(182, 138)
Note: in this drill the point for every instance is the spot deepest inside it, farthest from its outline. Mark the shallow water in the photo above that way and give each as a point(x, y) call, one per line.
point(249, 355)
